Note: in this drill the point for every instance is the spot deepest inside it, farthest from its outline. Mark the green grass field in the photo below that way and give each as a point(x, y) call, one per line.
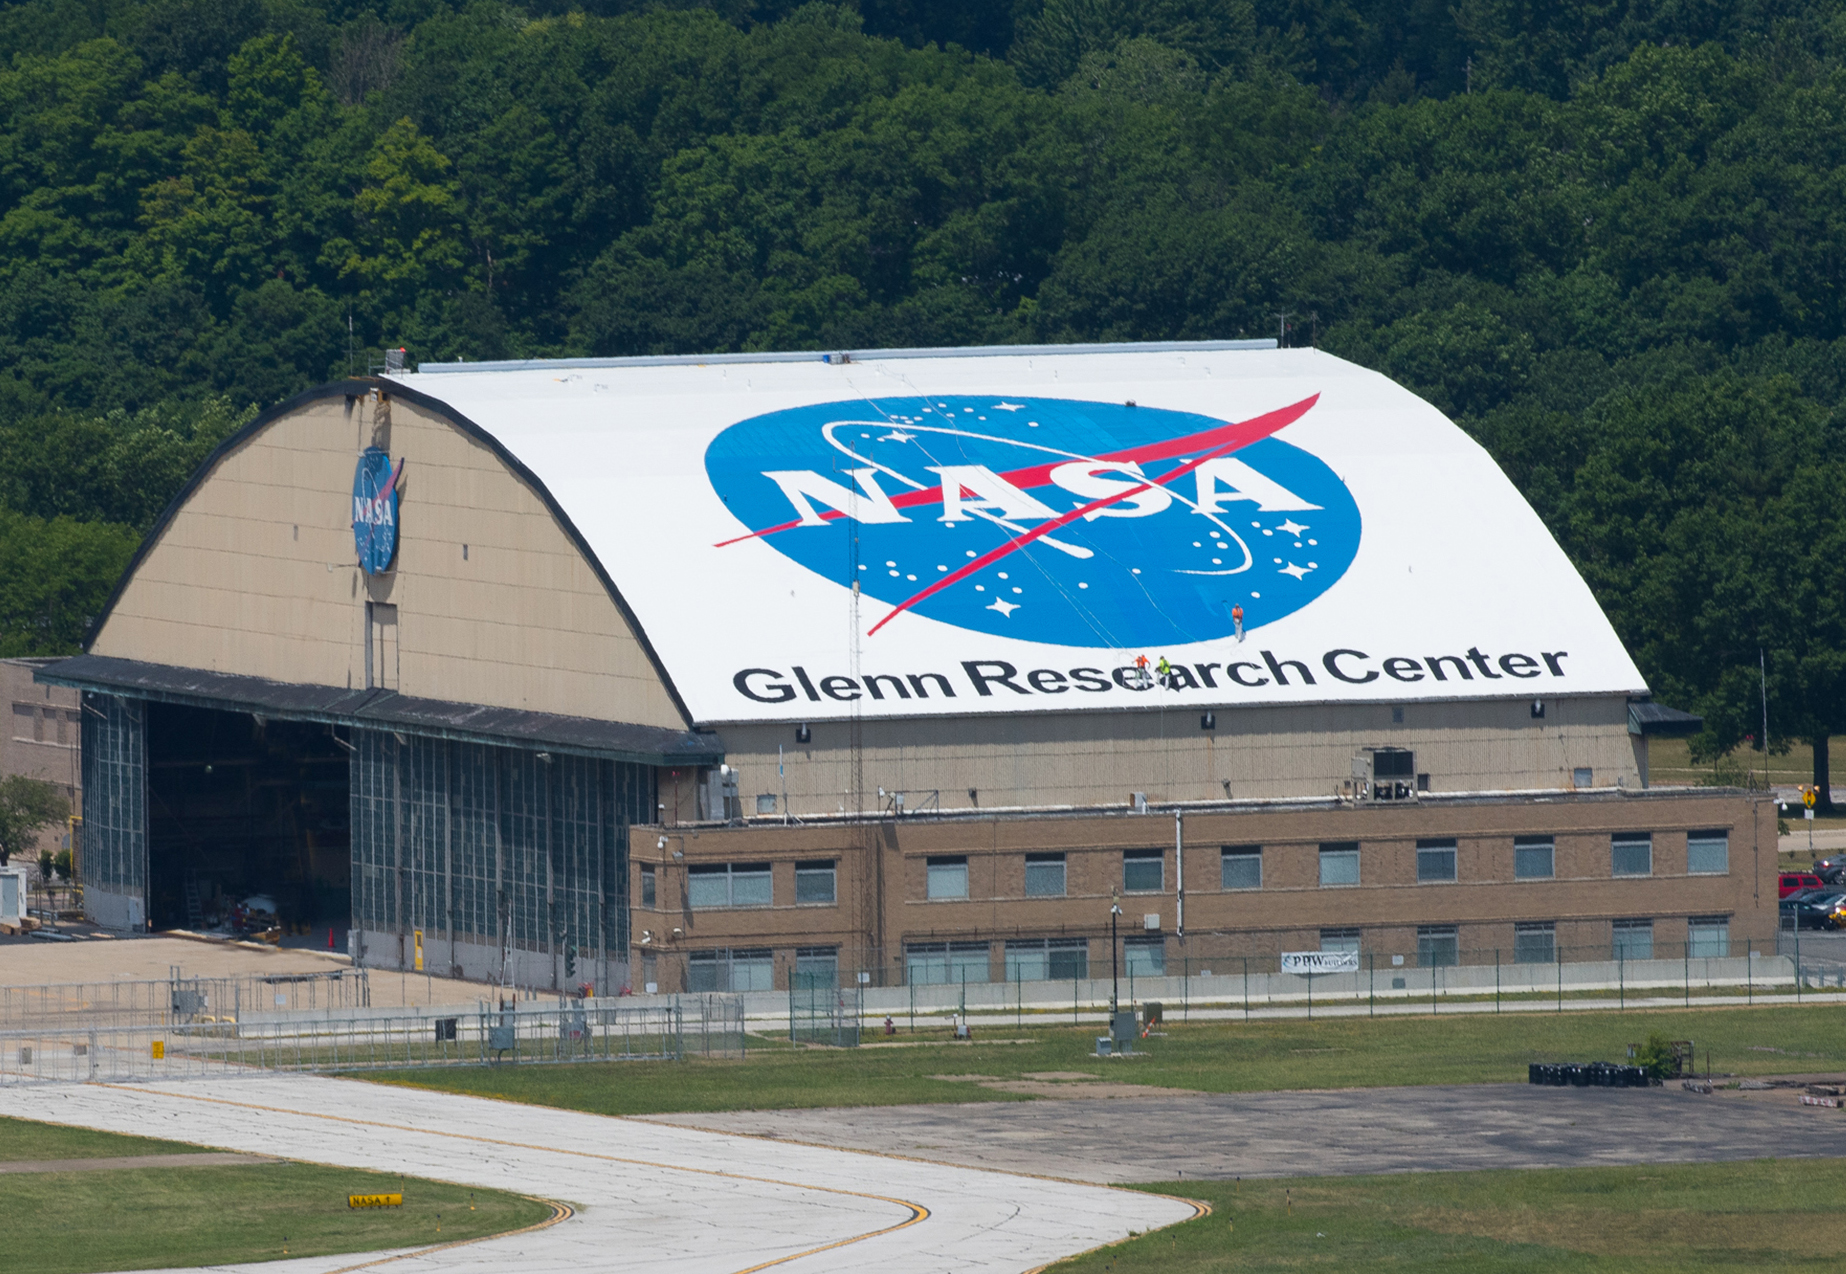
point(142, 1218)
point(1219, 1057)
point(1710, 1217)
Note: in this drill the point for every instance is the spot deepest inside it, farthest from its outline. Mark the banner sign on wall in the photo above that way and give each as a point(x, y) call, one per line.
point(1320, 962)
point(1000, 532)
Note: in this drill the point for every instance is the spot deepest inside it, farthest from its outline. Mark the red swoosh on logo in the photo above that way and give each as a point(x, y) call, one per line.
point(1039, 475)
point(1235, 437)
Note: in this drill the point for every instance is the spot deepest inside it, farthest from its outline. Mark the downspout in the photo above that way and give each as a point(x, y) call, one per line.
point(1179, 855)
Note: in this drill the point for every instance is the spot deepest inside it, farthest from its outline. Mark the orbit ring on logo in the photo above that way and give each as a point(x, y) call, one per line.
point(1086, 524)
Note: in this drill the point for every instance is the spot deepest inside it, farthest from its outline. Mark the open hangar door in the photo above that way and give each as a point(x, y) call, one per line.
point(243, 806)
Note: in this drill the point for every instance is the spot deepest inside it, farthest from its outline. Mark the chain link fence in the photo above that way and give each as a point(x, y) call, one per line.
point(181, 999)
point(522, 1033)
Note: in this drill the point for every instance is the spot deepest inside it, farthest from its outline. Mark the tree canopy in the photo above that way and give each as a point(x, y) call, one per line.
point(1605, 237)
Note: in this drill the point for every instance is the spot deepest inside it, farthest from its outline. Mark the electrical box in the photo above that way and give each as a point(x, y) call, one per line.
point(13, 896)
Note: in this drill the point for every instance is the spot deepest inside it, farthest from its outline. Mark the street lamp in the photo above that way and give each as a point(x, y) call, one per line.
point(1115, 979)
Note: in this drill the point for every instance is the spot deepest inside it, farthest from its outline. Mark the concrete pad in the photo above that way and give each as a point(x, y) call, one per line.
point(646, 1196)
point(1351, 1131)
point(134, 959)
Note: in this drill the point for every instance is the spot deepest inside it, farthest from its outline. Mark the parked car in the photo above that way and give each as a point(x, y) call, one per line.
point(1834, 862)
point(1812, 909)
point(1797, 880)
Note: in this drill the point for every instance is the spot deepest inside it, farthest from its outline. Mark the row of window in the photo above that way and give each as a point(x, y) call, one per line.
point(1067, 959)
point(730, 885)
point(719, 885)
point(1536, 942)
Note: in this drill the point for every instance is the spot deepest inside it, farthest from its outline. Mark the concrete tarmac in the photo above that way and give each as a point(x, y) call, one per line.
point(644, 1196)
point(1347, 1132)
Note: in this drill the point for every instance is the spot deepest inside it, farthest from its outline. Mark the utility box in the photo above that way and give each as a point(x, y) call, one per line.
point(1123, 1028)
point(13, 897)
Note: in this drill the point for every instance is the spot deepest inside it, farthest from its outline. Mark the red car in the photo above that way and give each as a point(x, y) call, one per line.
point(1796, 881)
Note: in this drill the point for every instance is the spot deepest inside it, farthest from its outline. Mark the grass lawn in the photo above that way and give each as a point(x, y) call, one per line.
point(1669, 762)
point(1218, 1057)
point(1722, 1216)
point(142, 1218)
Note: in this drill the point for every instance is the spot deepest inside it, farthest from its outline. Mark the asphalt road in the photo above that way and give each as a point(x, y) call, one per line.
point(1187, 1136)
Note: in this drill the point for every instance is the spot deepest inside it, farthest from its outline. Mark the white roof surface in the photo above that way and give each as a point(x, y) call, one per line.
point(1024, 526)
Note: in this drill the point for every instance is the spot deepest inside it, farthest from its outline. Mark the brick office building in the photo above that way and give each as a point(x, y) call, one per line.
point(895, 662)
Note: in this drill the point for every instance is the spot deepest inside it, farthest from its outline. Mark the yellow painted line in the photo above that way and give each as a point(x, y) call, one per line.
point(1200, 1208)
point(559, 1212)
point(917, 1211)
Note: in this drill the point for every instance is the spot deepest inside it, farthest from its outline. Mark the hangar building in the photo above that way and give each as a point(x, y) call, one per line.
point(902, 662)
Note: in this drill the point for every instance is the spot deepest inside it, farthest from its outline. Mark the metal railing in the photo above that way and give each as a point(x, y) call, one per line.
point(519, 1034)
point(180, 998)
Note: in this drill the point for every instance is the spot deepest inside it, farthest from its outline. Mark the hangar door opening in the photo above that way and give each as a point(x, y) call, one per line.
point(248, 822)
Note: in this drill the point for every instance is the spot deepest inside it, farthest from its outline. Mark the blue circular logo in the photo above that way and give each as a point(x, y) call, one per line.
point(375, 510)
point(1103, 525)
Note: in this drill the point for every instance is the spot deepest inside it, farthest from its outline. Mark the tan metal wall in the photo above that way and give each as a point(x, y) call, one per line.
point(1261, 753)
point(256, 575)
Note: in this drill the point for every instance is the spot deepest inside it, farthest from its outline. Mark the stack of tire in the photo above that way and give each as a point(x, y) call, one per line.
point(1587, 1075)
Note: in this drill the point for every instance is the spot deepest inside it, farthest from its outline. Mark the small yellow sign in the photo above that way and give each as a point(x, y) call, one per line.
point(158, 1050)
point(1810, 796)
point(374, 1200)
point(419, 934)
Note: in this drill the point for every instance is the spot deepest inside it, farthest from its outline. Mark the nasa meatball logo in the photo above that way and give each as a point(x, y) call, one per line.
point(1105, 525)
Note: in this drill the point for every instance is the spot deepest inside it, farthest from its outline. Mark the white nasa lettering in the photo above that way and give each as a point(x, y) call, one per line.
point(803, 485)
point(990, 492)
point(1244, 483)
point(1084, 478)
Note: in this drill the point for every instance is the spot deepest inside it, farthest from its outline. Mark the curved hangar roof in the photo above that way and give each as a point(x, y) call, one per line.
point(961, 531)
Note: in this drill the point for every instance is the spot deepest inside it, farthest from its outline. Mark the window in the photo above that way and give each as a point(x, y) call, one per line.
point(948, 878)
point(647, 887)
point(1339, 940)
point(1435, 861)
point(1394, 763)
point(1242, 868)
point(1044, 875)
point(1535, 943)
point(1144, 957)
point(1708, 937)
point(1438, 947)
point(1631, 854)
point(1708, 853)
point(1634, 940)
point(817, 967)
point(1047, 959)
point(728, 885)
point(730, 970)
point(765, 802)
point(1144, 871)
point(1534, 858)
point(814, 884)
point(927, 963)
point(1582, 776)
point(1339, 864)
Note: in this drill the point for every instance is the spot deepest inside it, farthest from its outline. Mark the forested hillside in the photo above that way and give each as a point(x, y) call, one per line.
point(1605, 236)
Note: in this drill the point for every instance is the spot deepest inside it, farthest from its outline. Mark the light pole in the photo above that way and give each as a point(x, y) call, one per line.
point(1115, 978)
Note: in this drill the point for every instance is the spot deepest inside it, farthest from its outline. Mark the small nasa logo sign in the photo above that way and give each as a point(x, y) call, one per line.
point(1104, 525)
point(375, 510)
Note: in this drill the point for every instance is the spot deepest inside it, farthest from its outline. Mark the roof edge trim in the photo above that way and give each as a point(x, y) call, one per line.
point(848, 356)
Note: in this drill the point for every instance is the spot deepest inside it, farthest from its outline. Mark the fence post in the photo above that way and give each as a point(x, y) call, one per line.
point(1371, 983)
point(1749, 970)
point(1019, 996)
point(1560, 983)
point(1688, 970)
point(1310, 996)
point(1246, 988)
point(1073, 994)
point(1185, 988)
point(1797, 957)
point(1621, 977)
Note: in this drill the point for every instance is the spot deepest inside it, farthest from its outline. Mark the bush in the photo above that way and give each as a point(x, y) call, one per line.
point(1658, 1057)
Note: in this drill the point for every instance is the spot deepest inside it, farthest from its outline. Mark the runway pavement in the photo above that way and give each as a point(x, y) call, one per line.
point(644, 1196)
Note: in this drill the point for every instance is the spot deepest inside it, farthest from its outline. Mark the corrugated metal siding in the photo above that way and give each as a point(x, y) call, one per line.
point(487, 842)
point(115, 794)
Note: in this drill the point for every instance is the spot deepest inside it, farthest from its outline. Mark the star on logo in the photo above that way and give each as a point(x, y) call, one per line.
point(897, 435)
point(1291, 527)
point(1006, 406)
point(1299, 572)
point(1003, 606)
